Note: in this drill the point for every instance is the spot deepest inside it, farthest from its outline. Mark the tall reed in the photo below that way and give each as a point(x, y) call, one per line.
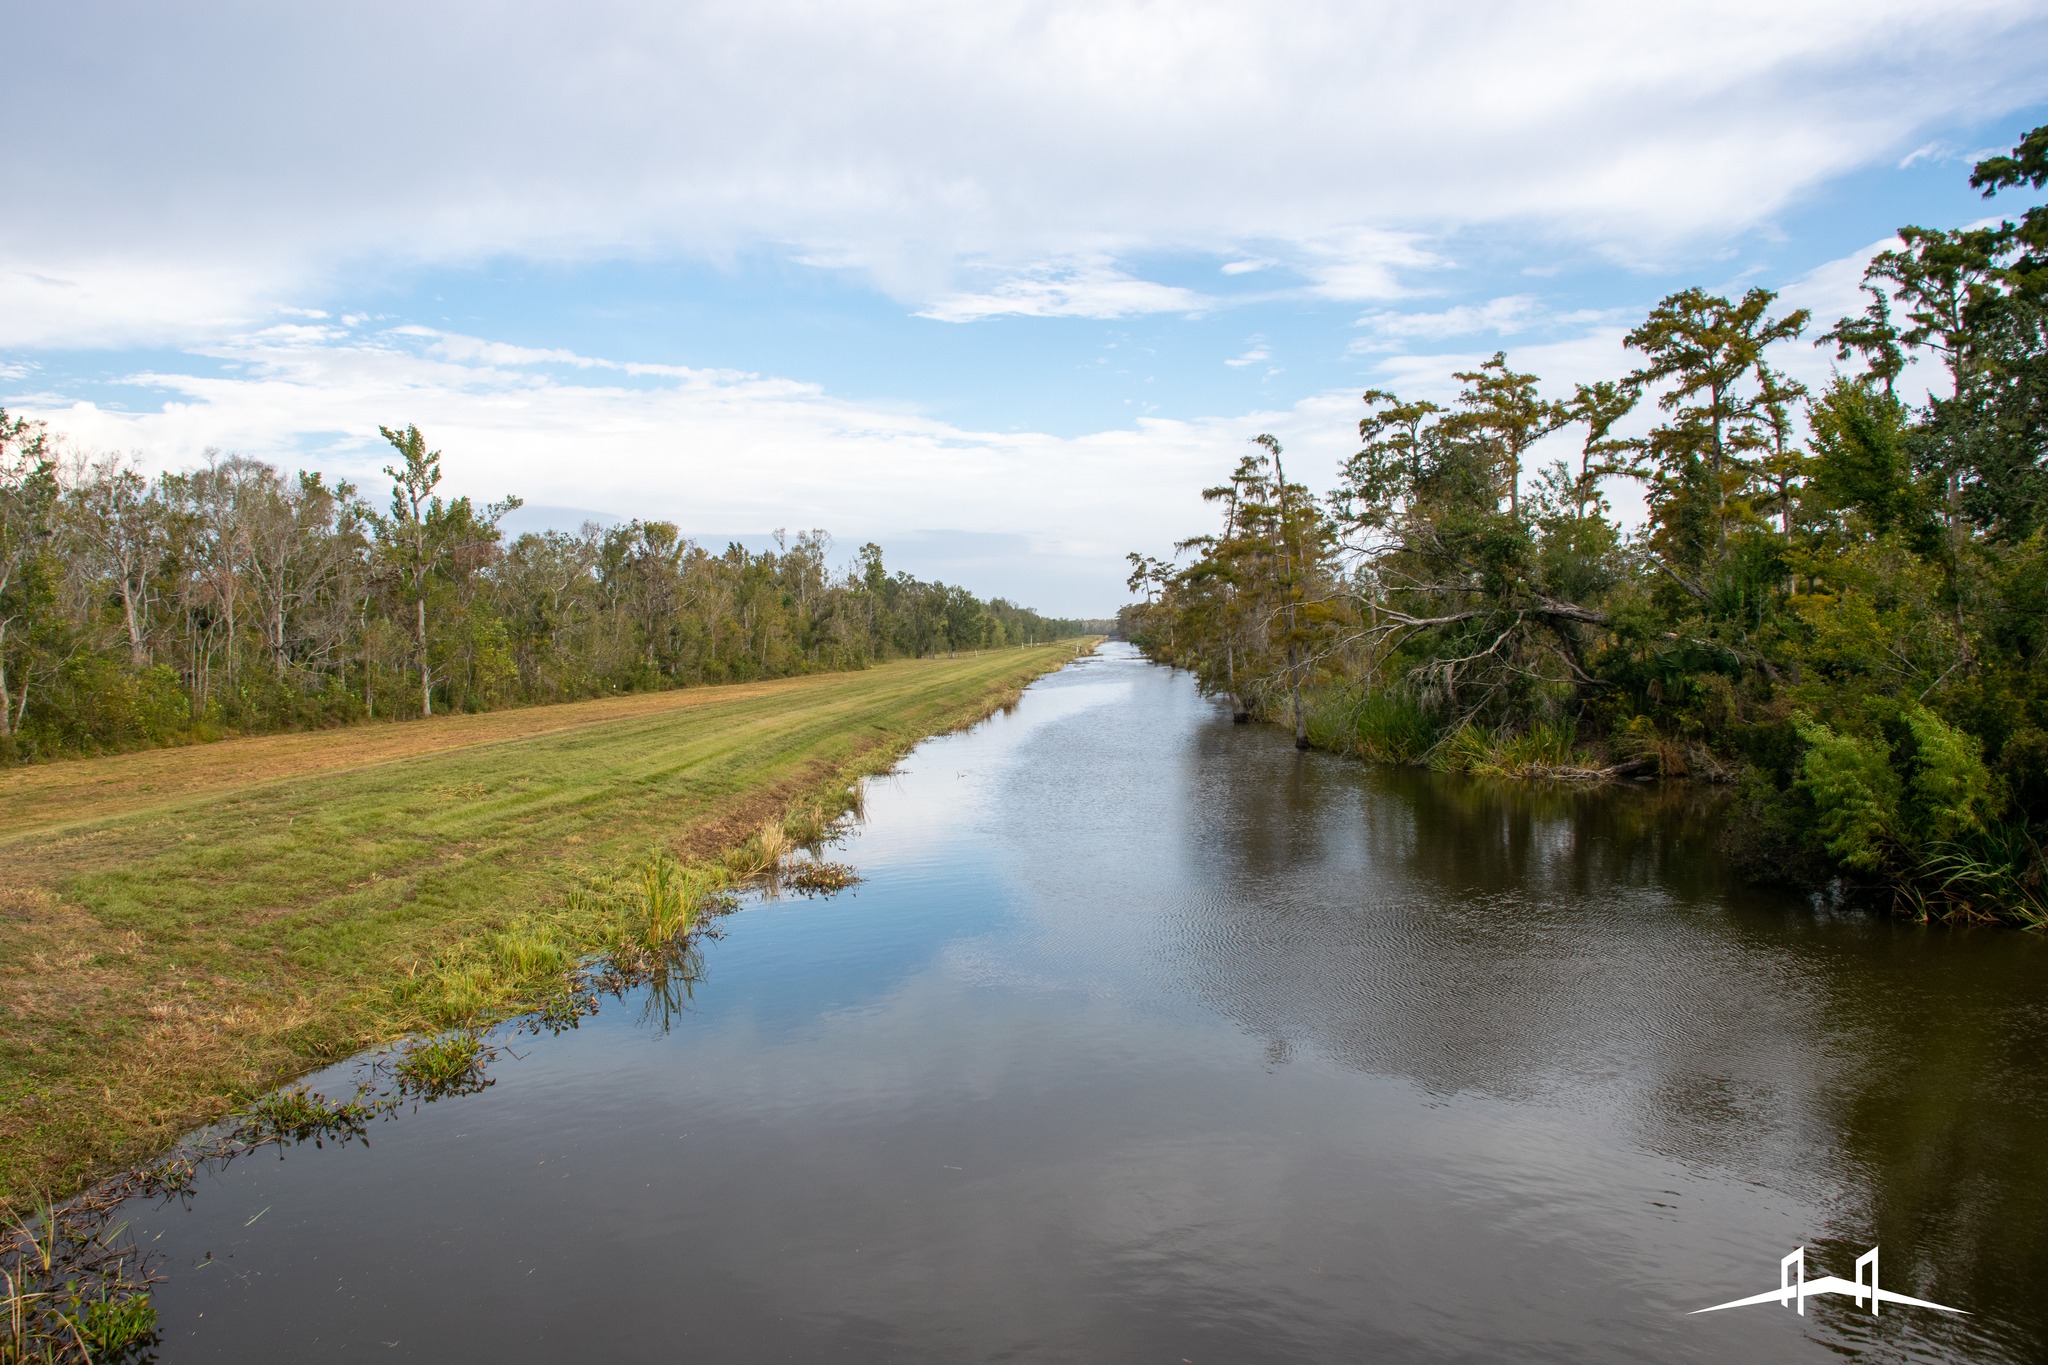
point(771, 845)
point(667, 899)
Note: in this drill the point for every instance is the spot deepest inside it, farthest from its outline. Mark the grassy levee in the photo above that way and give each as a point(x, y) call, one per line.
point(182, 929)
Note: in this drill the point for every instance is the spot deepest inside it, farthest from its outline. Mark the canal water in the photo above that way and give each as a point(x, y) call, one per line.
point(1147, 1038)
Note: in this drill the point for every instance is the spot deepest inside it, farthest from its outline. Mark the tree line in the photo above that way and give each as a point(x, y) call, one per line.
point(1839, 600)
point(138, 610)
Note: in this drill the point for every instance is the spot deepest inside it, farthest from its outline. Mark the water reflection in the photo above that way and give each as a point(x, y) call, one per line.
point(1586, 949)
point(1148, 1037)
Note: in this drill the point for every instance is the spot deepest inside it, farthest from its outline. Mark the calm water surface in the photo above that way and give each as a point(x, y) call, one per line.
point(1149, 1039)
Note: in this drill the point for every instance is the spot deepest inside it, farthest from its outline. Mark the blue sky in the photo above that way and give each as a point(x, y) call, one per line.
point(1000, 285)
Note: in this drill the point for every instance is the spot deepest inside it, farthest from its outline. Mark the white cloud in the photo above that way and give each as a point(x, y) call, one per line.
point(190, 170)
point(715, 450)
point(1597, 353)
point(55, 299)
point(1940, 150)
point(1091, 289)
point(457, 347)
point(1256, 353)
point(1362, 263)
point(1504, 316)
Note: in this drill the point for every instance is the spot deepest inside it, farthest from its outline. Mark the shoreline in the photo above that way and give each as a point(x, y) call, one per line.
point(165, 962)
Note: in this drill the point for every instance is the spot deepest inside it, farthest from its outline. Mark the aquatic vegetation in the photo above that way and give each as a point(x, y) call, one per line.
point(565, 1008)
point(667, 977)
point(451, 1064)
point(1640, 742)
point(296, 1114)
point(666, 900)
point(815, 877)
point(1997, 872)
point(72, 1289)
point(769, 856)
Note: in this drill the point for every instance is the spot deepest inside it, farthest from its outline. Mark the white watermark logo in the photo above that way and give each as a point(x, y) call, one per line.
point(1793, 1285)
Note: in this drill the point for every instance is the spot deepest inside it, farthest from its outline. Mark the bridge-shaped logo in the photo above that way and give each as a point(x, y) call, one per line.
point(1794, 1286)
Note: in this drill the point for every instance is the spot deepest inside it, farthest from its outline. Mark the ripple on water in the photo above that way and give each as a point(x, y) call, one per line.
point(1148, 1037)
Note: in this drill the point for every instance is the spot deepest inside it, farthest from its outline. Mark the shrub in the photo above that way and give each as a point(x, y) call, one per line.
point(1855, 795)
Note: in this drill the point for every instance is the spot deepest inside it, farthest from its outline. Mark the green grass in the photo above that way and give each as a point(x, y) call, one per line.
point(1539, 752)
point(447, 1064)
point(1379, 726)
point(160, 965)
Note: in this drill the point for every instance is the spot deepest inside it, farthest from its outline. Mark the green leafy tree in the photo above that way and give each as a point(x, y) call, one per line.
point(430, 540)
point(28, 505)
point(414, 534)
point(1501, 414)
point(1702, 463)
point(1840, 600)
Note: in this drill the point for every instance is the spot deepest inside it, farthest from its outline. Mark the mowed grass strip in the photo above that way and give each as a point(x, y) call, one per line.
point(215, 936)
point(51, 796)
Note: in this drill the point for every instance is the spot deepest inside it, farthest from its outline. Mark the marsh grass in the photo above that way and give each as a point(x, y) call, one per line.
point(1640, 741)
point(1542, 751)
point(1381, 726)
point(811, 825)
point(295, 1114)
point(771, 845)
point(770, 857)
point(1989, 876)
point(659, 906)
point(1390, 726)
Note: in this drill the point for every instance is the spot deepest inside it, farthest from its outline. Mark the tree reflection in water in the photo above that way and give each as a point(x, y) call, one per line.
point(1587, 947)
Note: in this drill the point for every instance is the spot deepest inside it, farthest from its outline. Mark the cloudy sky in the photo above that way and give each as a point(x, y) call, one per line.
point(1000, 284)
